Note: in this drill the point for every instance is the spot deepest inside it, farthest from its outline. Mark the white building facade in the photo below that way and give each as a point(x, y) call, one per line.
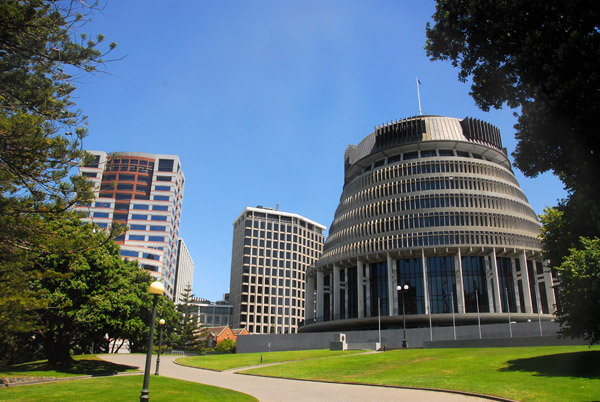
point(185, 270)
point(270, 255)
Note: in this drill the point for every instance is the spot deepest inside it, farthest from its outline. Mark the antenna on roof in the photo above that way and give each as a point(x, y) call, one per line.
point(419, 96)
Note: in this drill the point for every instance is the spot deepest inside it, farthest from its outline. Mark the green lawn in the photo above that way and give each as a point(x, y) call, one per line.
point(570, 373)
point(83, 365)
point(121, 388)
point(230, 361)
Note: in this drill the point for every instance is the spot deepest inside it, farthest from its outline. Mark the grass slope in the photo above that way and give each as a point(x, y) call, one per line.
point(122, 388)
point(570, 373)
point(230, 361)
point(83, 365)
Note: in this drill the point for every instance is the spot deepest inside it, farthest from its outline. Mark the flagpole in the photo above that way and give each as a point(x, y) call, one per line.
point(419, 96)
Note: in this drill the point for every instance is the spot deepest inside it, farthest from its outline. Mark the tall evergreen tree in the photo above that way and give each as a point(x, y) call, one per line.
point(41, 135)
point(189, 331)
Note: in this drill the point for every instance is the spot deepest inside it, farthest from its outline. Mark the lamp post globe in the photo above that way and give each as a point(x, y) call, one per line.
point(402, 290)
point(156, 289)
point(161, 324)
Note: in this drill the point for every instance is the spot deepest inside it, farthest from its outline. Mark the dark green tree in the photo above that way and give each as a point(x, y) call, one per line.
point(579, 292)
point(41, 135)
point(90, 296)
point(189, 332)
point(541, 56)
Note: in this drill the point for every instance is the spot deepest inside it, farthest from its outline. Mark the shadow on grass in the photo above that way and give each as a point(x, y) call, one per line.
point(577, 364)
point(93, 367)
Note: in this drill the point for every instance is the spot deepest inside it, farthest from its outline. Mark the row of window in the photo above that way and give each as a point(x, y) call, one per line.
point(429, 220)
point(127, 206)
point(136, 254)
point(405, 187)
point(441, 289)
point(130, 196)
point(117, 216)
point(275, 227)
point(430, 239)
point(381, 209)
point(398, 170)
point(136, 237)
point(265, 329)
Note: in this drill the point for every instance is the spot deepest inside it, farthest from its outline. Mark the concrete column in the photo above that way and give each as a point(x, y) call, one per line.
point(346, 313)
point(495, 284)
point(460, 294)
point(425, 282)
point(320, 295)
point(548, 280)
point(335, 311)
point(525, 282)
point(515, 285)
point(309, 292)
point(392, 293)
point(359, 285)
point(368, 289)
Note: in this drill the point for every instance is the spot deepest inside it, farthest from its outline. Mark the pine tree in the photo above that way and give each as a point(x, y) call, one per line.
point(189, 332)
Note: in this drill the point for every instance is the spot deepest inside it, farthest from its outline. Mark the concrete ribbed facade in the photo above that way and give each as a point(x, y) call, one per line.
point(430, 202)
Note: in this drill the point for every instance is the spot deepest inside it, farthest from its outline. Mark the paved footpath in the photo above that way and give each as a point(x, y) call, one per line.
point(274, 390)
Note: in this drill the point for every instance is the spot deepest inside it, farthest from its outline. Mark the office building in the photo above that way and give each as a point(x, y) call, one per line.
point(184, 272)
point(270, 254)
point(143, 191)
point(212, 314)
point(429, 203)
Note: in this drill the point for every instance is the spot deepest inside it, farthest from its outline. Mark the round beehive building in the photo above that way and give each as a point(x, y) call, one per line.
point(429, 203)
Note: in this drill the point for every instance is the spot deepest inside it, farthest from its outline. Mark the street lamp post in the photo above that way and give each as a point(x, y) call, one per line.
point(161, 323)
point(403, 289)
point(156, 289)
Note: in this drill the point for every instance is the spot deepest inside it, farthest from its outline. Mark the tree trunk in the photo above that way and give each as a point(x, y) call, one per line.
point(58, 352)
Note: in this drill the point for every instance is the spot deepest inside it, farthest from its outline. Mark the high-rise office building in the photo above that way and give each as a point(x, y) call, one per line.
point(270, 254)
point(143, 191)
point(185, 270)
point(430, 204)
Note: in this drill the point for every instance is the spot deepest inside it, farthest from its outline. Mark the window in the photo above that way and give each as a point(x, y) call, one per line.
point(102, 204)
point(120, 217)
point(158, 218)
point(139, 217)
point(162, 188)
point(137, 227)
point(163, 178)
point(100, 214)
point(95, 162)
point(160, 207)
point(122, 186)
point(165, 165)
point(158, 228)
point(140, 206)
point(137, 237)
point(129, 253)
point(127, 177)
point(89, 174)
point(156, 238)
point(161, 198)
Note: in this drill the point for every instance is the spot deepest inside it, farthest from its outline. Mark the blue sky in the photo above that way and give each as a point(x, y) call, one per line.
point(260, 100)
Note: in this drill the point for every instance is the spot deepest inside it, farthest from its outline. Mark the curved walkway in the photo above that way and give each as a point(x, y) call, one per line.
point(267, 389)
